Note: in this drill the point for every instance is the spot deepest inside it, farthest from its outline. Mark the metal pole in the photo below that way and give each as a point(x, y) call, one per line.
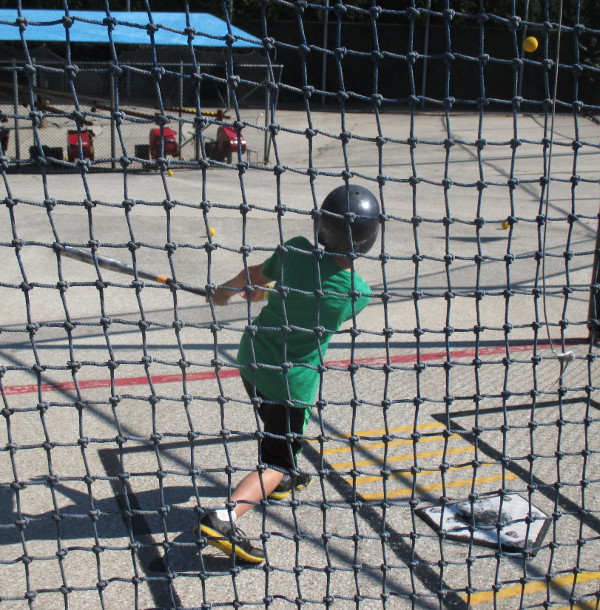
point(268, 134)
point(594, 308)
point(425, 54)
point(521, 51)
point(15, 80)
point(197, 97)
point(180, 105)
point(113, 106)
point(324, 63)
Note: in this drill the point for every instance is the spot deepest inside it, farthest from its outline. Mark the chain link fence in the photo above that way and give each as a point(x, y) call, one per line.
point(121, 115)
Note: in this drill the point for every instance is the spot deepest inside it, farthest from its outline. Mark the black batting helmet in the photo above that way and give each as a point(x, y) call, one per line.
point(349, 220)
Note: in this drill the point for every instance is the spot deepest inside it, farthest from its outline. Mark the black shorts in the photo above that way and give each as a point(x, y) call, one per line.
point(278, 419)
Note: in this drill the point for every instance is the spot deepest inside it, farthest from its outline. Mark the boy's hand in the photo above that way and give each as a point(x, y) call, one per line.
point(258, 294)
point(220, 297)
point(254, 273)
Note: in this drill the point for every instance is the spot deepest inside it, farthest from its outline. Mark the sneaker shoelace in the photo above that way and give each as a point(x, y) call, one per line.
point(238, 533)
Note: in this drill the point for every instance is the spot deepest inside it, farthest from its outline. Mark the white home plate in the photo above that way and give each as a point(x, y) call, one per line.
point(489, 528)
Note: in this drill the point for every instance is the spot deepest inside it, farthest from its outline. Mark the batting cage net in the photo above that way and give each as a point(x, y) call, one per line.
point(447, 407)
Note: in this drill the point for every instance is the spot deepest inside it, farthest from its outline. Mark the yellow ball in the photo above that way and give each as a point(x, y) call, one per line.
point(530, 44)
point(505, 225)
point(170, 172)
point(211, 232)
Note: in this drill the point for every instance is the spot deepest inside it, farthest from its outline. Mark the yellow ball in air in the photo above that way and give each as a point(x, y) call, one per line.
point(530, 44)
point(170, 172)
point(211, 232)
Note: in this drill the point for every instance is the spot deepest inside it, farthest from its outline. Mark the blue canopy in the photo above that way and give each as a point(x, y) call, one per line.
point(129, 28)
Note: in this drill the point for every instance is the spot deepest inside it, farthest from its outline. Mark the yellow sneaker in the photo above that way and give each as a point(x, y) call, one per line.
point(232, 541)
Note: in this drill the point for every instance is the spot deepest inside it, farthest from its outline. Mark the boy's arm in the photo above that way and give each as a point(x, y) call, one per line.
point(222, 295)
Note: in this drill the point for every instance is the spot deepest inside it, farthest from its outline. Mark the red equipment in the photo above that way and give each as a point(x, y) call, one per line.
point(87, 145)
point(169, 143)
point(227, 143)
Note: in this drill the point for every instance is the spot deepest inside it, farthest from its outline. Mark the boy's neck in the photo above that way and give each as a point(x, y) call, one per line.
point(343, 262)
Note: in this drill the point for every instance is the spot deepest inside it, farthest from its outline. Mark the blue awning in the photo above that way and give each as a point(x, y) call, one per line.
point(119, 27)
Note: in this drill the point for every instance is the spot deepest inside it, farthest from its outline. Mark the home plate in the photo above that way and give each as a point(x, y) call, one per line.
point(482, 517)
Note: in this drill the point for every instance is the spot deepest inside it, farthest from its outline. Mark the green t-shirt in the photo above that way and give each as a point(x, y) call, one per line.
point(287, 347)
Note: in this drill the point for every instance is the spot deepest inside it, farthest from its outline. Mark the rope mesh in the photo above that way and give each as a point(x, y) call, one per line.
point(466, 387)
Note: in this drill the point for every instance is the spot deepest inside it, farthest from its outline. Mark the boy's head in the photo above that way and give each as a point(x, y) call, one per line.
point(349, 220)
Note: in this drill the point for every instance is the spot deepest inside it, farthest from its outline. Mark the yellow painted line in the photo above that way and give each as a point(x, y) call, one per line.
point(405, 456)
point(408, 475)
point(340, 465)
point(371, 446)
point(429, 426)
point(398, 493)
point(532, 587)
point(403, 475)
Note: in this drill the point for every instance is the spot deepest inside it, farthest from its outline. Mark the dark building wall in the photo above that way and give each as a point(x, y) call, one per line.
point(454, 67)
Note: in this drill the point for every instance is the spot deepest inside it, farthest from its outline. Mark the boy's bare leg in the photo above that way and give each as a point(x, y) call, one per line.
point(216, 525)
point(249, 489)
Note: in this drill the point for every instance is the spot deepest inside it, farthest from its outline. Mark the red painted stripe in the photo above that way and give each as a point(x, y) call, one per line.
point(226, 373)
point(125, 381)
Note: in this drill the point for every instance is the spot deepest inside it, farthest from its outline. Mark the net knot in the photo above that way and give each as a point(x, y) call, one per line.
point(308, 90)
point(268, 43)
point(158, 72)
point(514, 22)
point(413, 101)
point(109, 22)
point(36, 118)
point(449, 14)
point(449, 57)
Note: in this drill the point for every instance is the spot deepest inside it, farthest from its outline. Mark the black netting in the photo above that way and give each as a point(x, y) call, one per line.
point(450, 440)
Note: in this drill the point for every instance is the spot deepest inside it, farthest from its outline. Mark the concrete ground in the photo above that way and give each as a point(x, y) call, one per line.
point(462, 387)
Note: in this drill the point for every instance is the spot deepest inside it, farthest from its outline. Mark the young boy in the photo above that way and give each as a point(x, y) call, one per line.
point(280, 358)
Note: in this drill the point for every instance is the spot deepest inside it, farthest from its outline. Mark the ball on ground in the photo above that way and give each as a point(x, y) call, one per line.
point(505, 225)
point(170, 172)
point(530, 44)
